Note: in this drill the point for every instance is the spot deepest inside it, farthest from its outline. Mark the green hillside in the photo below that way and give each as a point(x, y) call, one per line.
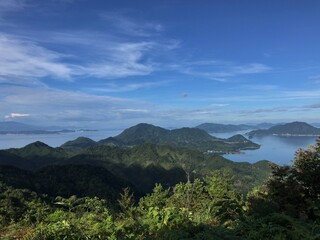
point(184, 137)
point(66, 181)
point(89, 202)
point(142, 165)
point(80, 142)
point(37, 155)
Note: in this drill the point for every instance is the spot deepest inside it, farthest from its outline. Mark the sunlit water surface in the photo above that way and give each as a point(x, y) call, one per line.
point(279, 150)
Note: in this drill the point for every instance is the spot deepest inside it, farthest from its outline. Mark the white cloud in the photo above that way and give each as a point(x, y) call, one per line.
point(130, 26)
point(261, 87)
point(24, 58)
point(315, 79)
point(112, 87)
point(16, 115)
point(62, 107)
point(123, 60)
point(131, 110)
point(250, 68)
point(11, 5)
point(108, 58)
point(219, 70)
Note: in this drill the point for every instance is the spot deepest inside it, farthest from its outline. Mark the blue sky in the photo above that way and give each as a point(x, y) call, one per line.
point(112, 64)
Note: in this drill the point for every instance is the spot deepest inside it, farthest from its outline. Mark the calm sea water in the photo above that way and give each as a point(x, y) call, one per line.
point(53, 140)
point(279, 150)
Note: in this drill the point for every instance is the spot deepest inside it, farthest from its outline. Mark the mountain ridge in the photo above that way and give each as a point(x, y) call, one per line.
point(288, 129)
point(183, 137)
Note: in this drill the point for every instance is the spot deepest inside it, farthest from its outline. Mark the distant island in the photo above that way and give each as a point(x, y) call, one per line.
point(288, 129)
point(193, 138)
point(225, 128)
point(12, 127)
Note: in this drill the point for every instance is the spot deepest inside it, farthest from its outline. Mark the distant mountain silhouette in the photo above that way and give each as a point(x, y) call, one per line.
point(294, 128)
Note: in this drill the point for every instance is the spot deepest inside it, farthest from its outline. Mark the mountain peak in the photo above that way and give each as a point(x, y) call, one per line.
point(37, 144)
point(80, 142)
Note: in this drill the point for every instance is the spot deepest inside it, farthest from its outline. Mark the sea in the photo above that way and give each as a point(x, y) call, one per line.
point(277, 149)
point(53, 140)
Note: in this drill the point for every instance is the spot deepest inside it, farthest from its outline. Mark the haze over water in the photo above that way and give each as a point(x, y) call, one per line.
point(53, 140)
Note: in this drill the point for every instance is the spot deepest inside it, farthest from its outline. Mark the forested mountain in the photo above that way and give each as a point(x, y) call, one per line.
point(67, 180)
point(43, 204)
point(80, 142)
point(183, 137)
point(142, 165)
point(35, 155)
point(294, 128)
point(84, 190)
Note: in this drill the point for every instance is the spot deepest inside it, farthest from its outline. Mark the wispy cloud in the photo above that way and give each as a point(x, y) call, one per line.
point(113, 87)
point(261, 87)
point(219, 70)
point(60, 106)
point(315, 79)
point(16, 115)
point(11, 5)
point(264, 110)
point(124, 24)
point(123, 60)
point(315, 106)
point(23, 58)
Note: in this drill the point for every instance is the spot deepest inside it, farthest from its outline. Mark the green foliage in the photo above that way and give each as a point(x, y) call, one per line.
point(277, 226)
point(296, 189)
point(152, 163)
point(80, 142)
point(21, 205)
point(67, 180)
point(126, 202)
point(286, 207)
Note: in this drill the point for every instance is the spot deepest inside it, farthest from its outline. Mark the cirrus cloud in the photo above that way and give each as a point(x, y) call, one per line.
point(16, 115)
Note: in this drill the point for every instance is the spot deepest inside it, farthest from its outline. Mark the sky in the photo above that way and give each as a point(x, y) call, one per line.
point(172, 63)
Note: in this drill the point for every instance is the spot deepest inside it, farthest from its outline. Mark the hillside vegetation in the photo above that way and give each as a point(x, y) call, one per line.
point(142, 165)
point(285, 207)
point(193, 138)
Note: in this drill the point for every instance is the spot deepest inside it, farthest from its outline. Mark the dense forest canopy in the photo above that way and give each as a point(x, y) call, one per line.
point(85, 206)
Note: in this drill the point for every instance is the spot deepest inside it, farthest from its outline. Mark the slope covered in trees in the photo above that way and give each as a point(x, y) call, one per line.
point(285, 207)
point(142, 165)
point(193, 138)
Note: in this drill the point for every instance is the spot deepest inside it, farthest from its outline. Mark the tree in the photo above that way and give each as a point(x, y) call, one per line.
point(296, 189)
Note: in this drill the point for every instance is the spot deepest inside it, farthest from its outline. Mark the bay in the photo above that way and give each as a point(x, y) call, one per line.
point(278, 149)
